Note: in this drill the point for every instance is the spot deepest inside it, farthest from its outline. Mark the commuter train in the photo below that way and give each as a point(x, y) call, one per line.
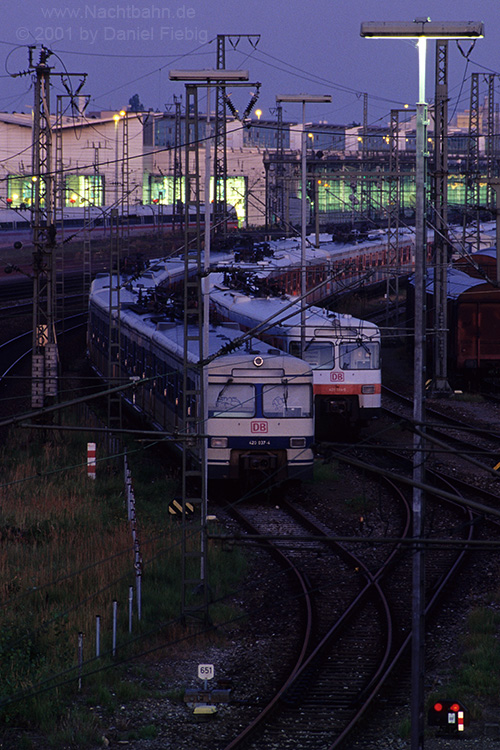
point(343, 351)
point(248, 288)
point(260, 408)
point(331, 267)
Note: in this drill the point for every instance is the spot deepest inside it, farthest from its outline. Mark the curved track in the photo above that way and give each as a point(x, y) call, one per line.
point(347, 634)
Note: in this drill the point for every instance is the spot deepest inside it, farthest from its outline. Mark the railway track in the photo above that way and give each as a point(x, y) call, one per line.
point(455, 444)
point(358, 597)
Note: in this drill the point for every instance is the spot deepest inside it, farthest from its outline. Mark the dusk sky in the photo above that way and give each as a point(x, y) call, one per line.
point(128, 47)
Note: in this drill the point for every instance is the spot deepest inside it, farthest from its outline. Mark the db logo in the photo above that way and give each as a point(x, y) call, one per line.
point(337, 377)
point(258, 427)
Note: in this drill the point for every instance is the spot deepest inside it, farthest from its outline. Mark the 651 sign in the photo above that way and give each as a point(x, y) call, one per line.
point(206, 671)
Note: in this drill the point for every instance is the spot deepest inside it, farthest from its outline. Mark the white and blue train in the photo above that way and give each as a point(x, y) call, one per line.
point(260, 419)
point(343, 352)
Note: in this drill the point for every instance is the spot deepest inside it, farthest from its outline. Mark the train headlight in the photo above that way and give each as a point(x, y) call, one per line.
point(258, 361)
point(367, 389)
point(296, 442)
point(218, 442)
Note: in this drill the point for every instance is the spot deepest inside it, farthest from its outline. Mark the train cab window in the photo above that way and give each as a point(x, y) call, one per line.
point(319, 354)
point(286, 400)
point(359, 356)
point(231, 400)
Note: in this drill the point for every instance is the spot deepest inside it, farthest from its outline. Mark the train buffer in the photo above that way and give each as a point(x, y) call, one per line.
point(449, 716)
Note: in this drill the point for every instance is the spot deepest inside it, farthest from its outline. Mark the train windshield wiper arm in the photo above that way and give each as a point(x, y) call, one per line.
point(224, 387)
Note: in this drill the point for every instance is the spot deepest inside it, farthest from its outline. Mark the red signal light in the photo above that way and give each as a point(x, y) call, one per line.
point(452, 716)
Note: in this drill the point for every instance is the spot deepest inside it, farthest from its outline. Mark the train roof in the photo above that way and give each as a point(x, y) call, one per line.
point(159, 272)
point(286, 314)
point(265, 260)
point(169, 335)
point(490, 252)
point(458, 282)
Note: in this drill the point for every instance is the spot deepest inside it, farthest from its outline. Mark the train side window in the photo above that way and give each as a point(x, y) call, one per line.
point(286, 400)
point(231, 400)
point(319, 354)
point(359, 356)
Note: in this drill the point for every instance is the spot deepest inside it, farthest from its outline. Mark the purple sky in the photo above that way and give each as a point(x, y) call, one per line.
point(315, 47)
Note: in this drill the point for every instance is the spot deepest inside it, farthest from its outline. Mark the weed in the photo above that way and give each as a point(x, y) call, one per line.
point(358, 503)
point(326, 471)
point(404, 728)
point(470, 398)
point(476, 678)
point(148, 732)
point(66, 554)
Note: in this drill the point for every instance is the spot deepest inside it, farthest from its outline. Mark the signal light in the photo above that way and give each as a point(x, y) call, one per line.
point(451, 716)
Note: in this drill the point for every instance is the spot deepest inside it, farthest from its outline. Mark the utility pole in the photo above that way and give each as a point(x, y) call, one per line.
point(45, 356)
point(220, 132)
point(471, 208)
point(392, 283)
point(45, 360)
point(420, 29)
point(60, 195)
point(490, 142)
point(59, 202)
point(220, 147)
point(364, 144)
point(92, 197)
point(125, 193)
point(176, 201)
point(440, 385)
point(278, 210)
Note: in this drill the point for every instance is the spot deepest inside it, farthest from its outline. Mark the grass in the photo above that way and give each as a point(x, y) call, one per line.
point(476, 680)
point(478, 675)
point(326, 471)
point(470, 398)
point(65, 555)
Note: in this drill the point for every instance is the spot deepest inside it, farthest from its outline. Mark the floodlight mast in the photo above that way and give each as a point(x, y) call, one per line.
point(420, 29)
point(303, 99)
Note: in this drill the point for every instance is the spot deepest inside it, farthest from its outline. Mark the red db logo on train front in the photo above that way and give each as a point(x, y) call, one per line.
point(337, 377)
point(258, 427)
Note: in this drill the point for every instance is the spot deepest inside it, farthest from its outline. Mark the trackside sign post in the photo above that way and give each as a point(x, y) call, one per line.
point(206, 672)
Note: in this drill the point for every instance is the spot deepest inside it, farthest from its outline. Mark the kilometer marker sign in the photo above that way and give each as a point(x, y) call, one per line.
point(206, 671)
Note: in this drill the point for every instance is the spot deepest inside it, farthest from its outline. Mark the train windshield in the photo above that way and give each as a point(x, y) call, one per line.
point(287, 400)
point(360, 356)
point(231, 400)
point(318, 354)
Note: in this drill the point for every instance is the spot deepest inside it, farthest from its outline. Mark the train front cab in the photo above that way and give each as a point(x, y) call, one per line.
point(347, 382)
point(261, 427)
